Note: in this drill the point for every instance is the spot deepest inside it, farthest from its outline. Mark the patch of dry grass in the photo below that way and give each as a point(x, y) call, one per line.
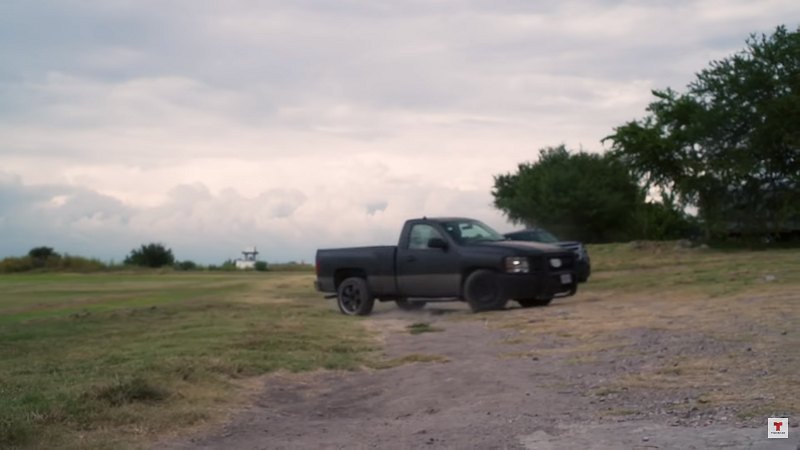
point(733, 316)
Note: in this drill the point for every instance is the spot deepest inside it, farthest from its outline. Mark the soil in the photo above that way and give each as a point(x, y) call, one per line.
point(490, 392)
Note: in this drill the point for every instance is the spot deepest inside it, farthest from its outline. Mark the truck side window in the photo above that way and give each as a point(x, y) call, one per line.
point(420, 234)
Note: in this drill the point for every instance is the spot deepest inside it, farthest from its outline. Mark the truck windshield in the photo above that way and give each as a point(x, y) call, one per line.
point(466, 231)
point(544, 236)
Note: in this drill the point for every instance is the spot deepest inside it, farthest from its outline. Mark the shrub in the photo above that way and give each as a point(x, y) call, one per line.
point(150, 255)
point(71, 263)
point(261, 266)
point(186, 265)
point(137, 389)
point(14, 264)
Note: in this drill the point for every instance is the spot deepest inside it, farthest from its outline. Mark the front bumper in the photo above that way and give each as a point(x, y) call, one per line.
point(582, 270)
point(538, 284)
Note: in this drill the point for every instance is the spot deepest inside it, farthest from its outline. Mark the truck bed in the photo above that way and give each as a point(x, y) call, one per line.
point(376, 264)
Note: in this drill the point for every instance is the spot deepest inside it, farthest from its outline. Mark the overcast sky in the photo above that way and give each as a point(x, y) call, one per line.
point(291, 125)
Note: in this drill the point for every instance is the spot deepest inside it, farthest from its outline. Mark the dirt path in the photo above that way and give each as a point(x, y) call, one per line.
point(489, 393)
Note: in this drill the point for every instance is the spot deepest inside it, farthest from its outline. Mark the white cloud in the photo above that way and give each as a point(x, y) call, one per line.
point(293, 125)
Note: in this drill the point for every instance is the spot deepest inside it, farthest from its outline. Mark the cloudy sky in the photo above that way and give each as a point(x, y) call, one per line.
point(291, 125)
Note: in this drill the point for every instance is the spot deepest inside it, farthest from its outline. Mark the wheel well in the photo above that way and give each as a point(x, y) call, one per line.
point(467, 272)
point(343, 274)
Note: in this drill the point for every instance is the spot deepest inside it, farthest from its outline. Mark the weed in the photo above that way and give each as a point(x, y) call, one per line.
point(133, 390)
point(422, 327)
point(407, 359)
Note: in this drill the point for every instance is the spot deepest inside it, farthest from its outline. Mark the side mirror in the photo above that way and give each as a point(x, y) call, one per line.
point(437, 243)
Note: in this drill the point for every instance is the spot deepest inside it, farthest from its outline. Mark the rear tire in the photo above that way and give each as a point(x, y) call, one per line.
point(406, 305)
point(532, 302)
point(482, 291)
point(354, 298)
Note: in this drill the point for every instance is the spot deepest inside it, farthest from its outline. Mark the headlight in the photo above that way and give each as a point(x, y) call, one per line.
point(555, 263)
point(517, 264)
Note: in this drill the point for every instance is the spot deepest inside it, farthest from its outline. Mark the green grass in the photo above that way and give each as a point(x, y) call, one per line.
point(408, 359)
point(107, 360)
point(422, 327)
point(661, 266)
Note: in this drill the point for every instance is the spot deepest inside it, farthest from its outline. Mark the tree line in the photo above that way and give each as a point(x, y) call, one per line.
point(721, 159)
point(153, 255)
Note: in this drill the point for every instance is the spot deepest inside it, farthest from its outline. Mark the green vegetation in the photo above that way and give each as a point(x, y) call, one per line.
point(584, 196)
point(108, 359)
point(728, 148)
point(150, 255)
point(730, 144)
point(291, 267)
point(409, 359)
point(669, 266)
point(46, 259)
point(422, 327)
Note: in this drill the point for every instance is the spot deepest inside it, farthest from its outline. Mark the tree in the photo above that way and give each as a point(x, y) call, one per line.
point(584, 196)
point(730, 145)
point(40, 256)
point(150, 255)
point(43, 253)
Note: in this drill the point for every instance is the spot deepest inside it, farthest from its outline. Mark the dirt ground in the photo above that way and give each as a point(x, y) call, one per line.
point(494, 381)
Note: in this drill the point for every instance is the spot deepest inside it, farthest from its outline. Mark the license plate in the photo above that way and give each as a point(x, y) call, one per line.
point(566, 278)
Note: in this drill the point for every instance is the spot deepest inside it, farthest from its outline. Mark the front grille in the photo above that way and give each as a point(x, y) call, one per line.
point(567, 262)
point(542, 263)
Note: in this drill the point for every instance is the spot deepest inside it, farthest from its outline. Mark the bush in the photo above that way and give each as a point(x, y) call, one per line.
point(186, 265)
point(71, 263)
point(150, 255)
point(66, 263)
point(14, 264)
point(261, 266)
point(229, 264)
point(41, 256)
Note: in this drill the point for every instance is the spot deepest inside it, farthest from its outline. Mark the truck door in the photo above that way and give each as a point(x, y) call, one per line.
point(427, 272)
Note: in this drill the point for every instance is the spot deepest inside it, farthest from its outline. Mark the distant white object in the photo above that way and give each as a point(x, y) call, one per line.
point(249, 259)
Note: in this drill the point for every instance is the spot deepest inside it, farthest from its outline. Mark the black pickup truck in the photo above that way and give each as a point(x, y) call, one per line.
point(443, 259)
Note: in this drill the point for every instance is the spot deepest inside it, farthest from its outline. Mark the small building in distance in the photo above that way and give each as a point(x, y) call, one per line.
point(248, 260)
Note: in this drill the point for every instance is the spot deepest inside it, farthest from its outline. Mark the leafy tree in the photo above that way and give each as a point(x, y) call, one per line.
point(150, 255)
point(41, 255)
point(261, 266)
point(584, 196)
point(664, 220)
point(730, 145)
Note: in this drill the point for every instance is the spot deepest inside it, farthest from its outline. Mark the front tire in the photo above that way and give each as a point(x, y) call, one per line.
point(482, 291)
point(354, 297)
point(533, 302)
point(406, 305)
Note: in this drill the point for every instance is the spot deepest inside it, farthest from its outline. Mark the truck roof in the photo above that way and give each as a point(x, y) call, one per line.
point(444, 219)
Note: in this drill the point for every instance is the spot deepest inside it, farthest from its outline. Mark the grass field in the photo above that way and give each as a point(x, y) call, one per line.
point(111, 360)
point(108, 360)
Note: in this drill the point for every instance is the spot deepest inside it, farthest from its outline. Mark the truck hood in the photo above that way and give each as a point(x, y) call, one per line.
point(525, 246)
